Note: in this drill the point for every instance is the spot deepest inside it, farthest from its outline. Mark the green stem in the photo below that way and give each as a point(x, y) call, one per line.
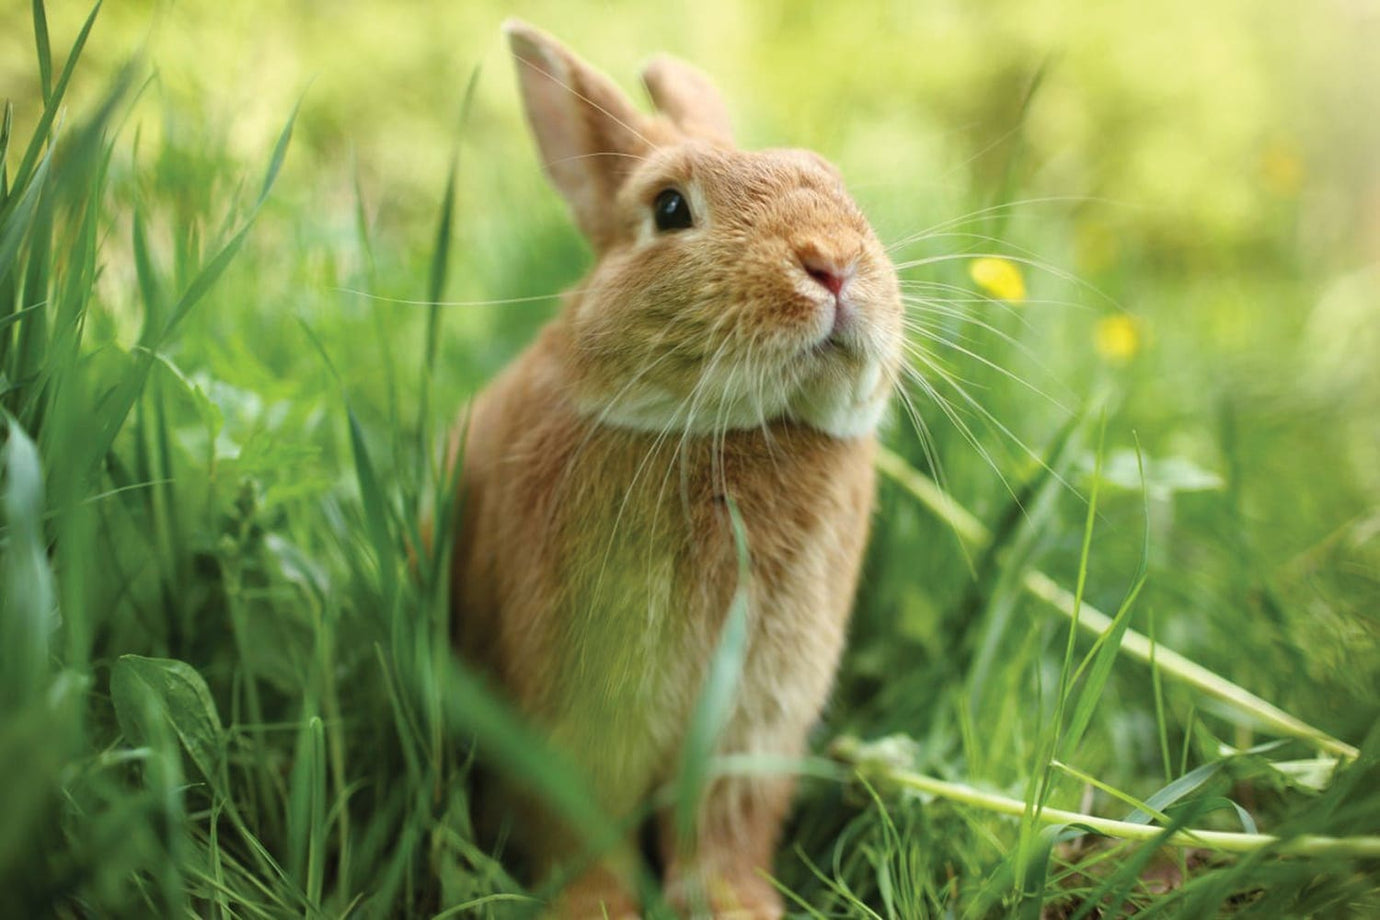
point(1090, 619)
point(853, 751)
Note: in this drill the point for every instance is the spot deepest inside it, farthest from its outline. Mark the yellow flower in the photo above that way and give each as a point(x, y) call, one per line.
point(1118, 338)
point(998, 277)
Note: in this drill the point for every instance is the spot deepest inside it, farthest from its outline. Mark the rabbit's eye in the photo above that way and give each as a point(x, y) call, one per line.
point(672, 211)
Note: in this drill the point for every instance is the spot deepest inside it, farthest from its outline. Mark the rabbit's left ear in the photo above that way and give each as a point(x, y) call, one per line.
point(589, 133)
point(688, 97)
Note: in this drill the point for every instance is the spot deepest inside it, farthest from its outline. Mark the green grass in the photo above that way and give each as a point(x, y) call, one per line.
point(226, 685)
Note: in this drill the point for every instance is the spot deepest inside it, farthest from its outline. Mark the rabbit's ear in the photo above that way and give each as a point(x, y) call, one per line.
point(687, 96)
point(588, 132)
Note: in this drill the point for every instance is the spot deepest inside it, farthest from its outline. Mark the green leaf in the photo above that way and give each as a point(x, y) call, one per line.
point(181, 699)
point(28, 613)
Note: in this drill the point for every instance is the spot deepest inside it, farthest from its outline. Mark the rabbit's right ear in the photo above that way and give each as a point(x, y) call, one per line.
point(689, 98)
point(588, 132)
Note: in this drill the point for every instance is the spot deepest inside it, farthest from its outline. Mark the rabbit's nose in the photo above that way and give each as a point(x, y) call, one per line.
point(830, 271)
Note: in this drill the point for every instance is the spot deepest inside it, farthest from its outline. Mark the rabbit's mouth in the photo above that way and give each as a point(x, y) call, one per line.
point(845, 372)
point(847, 335)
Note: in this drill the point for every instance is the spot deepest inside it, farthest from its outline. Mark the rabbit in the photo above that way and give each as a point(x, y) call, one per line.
point(734, 346)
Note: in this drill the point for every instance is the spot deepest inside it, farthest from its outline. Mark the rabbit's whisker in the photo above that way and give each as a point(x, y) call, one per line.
point(402, 301)
point(1015, 378)
point(990, 211)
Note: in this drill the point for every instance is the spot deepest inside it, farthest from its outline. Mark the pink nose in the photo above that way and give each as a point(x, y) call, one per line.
point(824, 270)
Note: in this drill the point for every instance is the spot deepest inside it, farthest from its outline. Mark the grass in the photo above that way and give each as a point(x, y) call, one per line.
point(226, 685)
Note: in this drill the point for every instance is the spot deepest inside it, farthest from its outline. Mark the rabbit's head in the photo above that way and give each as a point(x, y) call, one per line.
point(732, 288)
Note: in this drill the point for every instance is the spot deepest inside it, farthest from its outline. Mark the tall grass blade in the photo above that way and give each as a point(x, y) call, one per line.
point(9, 285)
point(45, 54)
point(34, 331)
point(145, 274)
point(14, 318)
point(1039, 783)
point(28, 607)
point(307, 834)
point(117, 403)
point(436, 284)
point(1009, 549)
point(275, 162)
point(376, 514)
point(6, 126)
point(53, 101)
point(212, 271)
point(1100, 658)
point(17, 219)
point(719, 695)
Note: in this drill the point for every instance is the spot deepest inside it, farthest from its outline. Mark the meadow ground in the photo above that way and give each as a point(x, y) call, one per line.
point(253, 260)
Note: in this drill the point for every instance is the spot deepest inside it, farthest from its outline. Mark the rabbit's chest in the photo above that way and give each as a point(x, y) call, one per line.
point(649, 583)
point(642, 610)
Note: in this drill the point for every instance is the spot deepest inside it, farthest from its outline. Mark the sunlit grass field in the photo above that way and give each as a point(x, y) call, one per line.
point(254, 260)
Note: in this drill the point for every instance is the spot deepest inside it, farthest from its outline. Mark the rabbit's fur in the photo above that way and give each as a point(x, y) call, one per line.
point(694, 369)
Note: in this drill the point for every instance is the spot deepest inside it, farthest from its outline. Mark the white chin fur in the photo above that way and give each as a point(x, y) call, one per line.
point(672, 415)
point(845, 421)
point(843, 410)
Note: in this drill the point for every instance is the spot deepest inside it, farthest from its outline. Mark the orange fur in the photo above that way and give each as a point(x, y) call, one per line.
point(595, 563)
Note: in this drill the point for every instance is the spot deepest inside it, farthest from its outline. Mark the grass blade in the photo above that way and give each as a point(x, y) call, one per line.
point(45, 54)
point(16, 223)
point(376, 514)
point(306, 810)
point(275, 162)
point(28, 606)
point(717, 697)
point(53, 101)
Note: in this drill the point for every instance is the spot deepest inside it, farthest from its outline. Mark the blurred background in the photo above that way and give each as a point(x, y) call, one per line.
point(1208, 167)
point(1227, 147)
point(1164, 218)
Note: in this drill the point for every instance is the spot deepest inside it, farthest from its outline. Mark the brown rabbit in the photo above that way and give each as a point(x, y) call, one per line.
point(736, 340)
